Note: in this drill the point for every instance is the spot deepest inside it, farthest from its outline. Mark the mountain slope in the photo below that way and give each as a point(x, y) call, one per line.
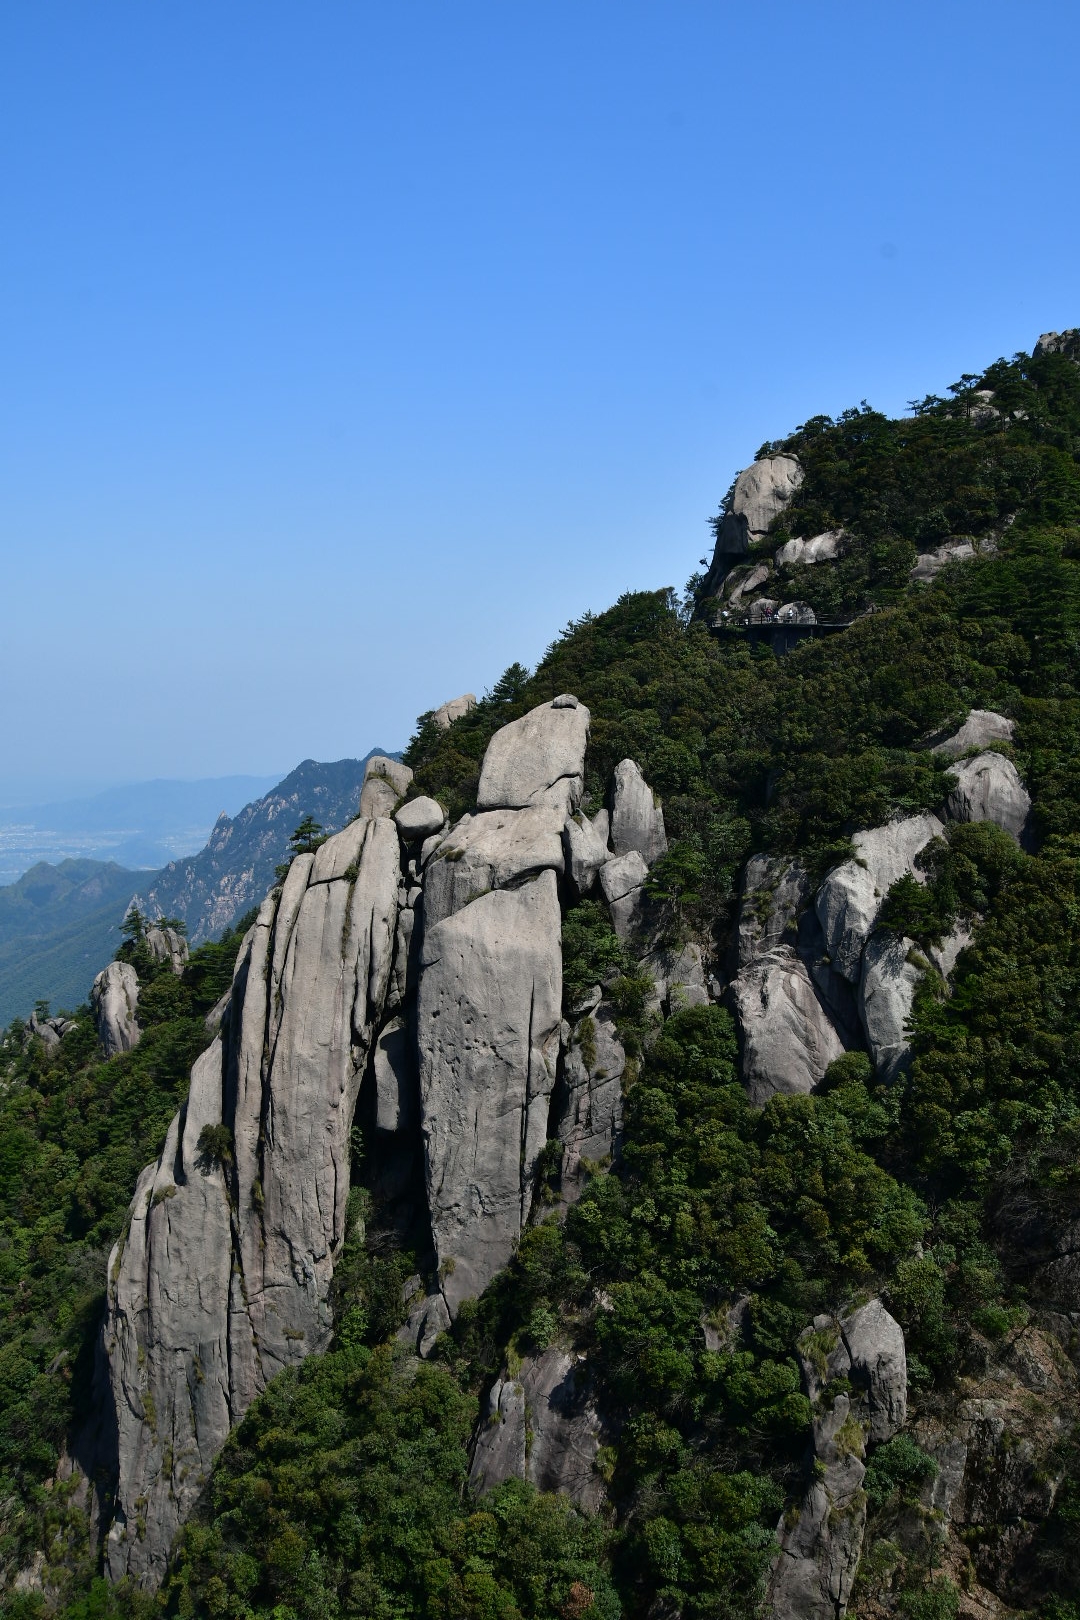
point(790, 1292)
point(58, 926)
point(145, 824)
point(210, 890)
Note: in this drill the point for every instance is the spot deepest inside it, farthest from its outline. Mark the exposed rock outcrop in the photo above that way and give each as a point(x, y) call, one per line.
point(223, 1274)
point(801, 553)
point(491, 850)
point(981, 729)
point(453, 709)
point(114, 998)
point(385, 782)
point(586, 848)
point(886, 996)
point(637, 821)
point(488, 1022)
point(820, 1546)
point(761, 493)
point(775, 891)
point(788, 1039)
point(537, 760)
point(928, 564)
point(1066, 343)
point(851, 896)
point(622, 882)
point(590, 1120)
point(988, 788)
point(543, 1426)
point(167, 945)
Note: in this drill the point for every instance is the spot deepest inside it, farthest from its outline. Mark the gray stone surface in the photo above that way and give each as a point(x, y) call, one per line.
point(886, 996)
point(775, 891)
point(385, 781)
point(490, 851)
point(215, 1287)
point(988, 788)
point(1066, 343)
point(742, 582)
point(820, 548)
point(679, 977)
point(621, 881)
point(537, 760)
point(878, 1367)
point(586, 851)
point(543, 1426)
point(453, 709)
point(944, 957)
point(981, 728)
point(166, 945)
point(114, 998)
point(590, 1124)
point(788, 1039)
point(637, 821)
point(395, 1078)
point(419, 818)
point(851, 896)
point(488, 1027)
point(928, 564)
point(822, 1541)
point(764, 489)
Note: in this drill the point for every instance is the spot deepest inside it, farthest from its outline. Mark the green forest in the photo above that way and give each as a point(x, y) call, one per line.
point(344, 1491)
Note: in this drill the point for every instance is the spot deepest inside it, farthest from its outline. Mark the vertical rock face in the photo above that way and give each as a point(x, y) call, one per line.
point(488, 1020)
point(223, 1274)
point(590, 1127)
point(886, 997)
point(542, 1426)
point(637, 821)
point(775, 890)
point(863, 1354)
point(113, 1000)
point(851, 896)
point(788, 1038)
point(448, 992)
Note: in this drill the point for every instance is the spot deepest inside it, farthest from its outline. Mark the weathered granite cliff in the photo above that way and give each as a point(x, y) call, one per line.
point(430, 961)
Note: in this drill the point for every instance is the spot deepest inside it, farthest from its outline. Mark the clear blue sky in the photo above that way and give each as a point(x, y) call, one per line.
point(348, 350)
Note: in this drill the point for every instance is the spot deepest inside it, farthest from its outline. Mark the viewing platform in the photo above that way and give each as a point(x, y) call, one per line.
point(783, 627)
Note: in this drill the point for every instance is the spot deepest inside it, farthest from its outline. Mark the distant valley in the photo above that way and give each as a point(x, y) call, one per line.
point(60, 919)
point(141, 825)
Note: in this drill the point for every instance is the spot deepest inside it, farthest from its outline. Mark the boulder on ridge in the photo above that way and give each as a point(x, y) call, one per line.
point(167, 945)
point(981, 728)
point(453, 709)
point(988, 788)
point(385, 782)
point(113, 1000)
point(537, 760)
point(637, 821)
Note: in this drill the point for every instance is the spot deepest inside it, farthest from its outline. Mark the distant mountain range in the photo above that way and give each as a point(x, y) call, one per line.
point(144, 824)
point(60, 924)
point(235, 870)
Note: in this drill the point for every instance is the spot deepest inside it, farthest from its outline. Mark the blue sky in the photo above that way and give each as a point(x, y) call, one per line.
point(349, 350)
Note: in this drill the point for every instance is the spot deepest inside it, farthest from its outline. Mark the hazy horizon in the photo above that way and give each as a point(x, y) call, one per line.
point(349, 352)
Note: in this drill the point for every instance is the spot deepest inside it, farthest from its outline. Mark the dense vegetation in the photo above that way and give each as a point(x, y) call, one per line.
point(343, 1492)
point(74, 1133)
